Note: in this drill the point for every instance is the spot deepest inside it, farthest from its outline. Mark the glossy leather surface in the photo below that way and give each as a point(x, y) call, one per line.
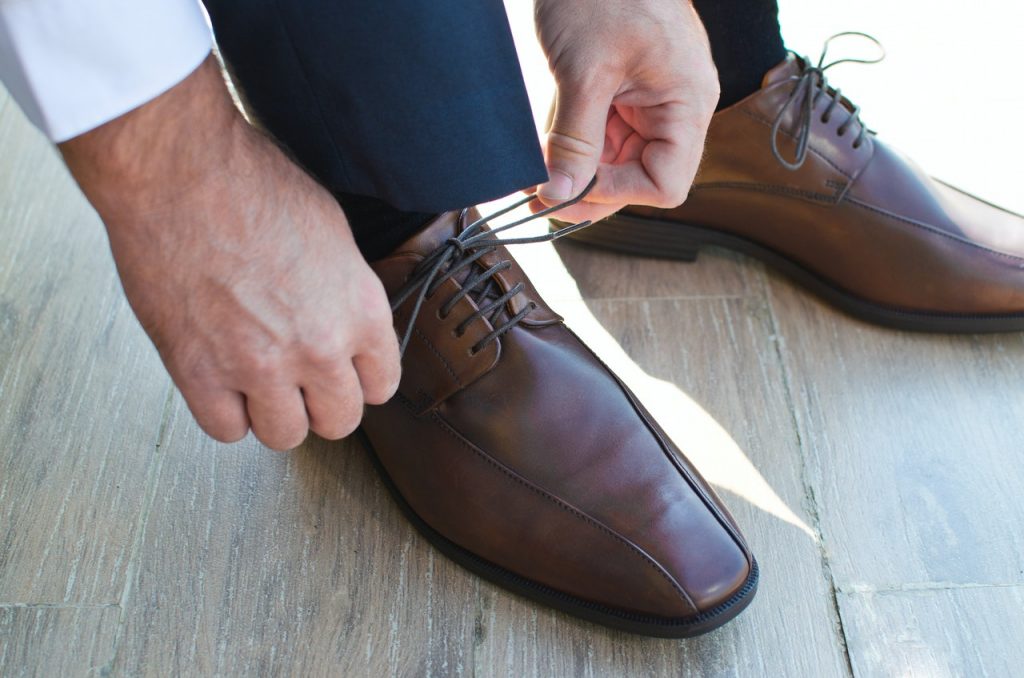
point(867, 219)
point(532, 455)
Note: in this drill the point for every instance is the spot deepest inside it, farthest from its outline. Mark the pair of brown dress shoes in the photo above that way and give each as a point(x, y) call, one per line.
point(515, 451)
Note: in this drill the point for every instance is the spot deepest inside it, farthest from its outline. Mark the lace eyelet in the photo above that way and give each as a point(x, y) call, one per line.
point(472, 351)
point(841, 132)
point(825, 119)
point(458, 334)
point(440, 315)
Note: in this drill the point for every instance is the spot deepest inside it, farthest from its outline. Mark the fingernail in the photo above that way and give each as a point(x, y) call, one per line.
point(559, 187)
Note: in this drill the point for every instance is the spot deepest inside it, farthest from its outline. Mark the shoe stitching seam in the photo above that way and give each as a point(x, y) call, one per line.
point(767, 123)
point(440, 357)
point(934, 230)
point(770, 189)
point(593, 522)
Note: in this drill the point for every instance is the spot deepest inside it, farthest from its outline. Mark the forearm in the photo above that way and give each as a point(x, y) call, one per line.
point(153, 154)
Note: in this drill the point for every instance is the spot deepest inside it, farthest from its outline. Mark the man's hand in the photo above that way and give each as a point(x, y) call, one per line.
point(636, 91)
point(240, 267)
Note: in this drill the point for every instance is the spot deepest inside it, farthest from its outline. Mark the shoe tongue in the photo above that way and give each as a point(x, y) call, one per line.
point(789, 67)
point(431, 236)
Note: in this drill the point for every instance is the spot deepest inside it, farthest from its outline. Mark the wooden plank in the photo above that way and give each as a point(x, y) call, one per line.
point(939, 632)
point(914, 446)
point(81, 390)
point(709, 372)
point(56, 641)
point(255, 562)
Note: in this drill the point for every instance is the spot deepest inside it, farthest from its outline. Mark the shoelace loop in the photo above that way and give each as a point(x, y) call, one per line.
point(810, 85)
point(464, 249)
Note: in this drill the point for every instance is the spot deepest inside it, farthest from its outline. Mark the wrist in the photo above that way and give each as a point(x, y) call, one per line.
point(160, 151)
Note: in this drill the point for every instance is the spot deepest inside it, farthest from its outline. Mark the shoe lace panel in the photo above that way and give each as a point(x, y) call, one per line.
point(460, 255)
point(810, 86)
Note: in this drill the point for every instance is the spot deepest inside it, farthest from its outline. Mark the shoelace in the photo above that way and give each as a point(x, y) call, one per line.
point(810, 85)
point(464, 249)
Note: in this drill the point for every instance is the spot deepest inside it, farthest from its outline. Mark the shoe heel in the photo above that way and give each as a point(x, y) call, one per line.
point(633, 235)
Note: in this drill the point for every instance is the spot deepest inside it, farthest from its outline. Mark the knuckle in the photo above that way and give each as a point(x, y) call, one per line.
point(350, 420)
point(673, 198)
point(329, 357)
point(223, 431)
point(219, 419)
point(378, 392)
point(572, 146)
point(379, 316)
point(260, 364)
point(282, 441)
point(371, 291)
point(586, 73)
point(379, 379)
point(341, 427)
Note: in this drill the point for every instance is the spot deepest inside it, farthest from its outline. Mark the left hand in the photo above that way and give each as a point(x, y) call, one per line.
point(636, 89)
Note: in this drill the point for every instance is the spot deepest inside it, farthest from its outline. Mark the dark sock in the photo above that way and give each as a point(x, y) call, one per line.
point(377, 226)
point(746, 42)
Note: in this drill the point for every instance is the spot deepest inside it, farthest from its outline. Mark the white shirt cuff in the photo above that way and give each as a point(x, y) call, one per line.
point(73, 65)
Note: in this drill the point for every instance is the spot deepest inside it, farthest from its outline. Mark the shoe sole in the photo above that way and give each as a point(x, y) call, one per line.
point(660, 627)
point(673, 240)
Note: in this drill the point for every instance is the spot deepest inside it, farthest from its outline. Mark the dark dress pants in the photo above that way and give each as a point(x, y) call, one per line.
point(418, 103)
point(407, 108)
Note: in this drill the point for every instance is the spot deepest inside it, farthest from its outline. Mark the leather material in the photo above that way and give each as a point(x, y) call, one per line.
point(532, 455)
point(867, 220)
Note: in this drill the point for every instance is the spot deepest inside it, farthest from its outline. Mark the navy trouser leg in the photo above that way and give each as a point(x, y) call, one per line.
point(745, 42)
point(419, 104)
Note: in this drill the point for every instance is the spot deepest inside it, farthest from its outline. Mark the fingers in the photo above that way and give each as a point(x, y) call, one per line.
point(278, 416)
point(576, 139)
point(378, 362)
point(583, 211)
point(379, 374)
point(219, 412)
point(334, 406)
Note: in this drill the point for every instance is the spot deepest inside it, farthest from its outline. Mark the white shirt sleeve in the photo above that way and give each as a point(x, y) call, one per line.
point(73, 65)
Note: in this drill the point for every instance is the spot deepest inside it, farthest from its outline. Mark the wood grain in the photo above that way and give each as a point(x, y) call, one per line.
point(302, 565)
point(913, 443)
point(936, 633)
point(56, 641)
point(81, 390)
point(602, 274)
point(257, 563)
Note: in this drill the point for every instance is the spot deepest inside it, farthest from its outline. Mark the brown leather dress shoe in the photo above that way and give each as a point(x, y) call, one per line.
point(518, 454)
point(791, 176)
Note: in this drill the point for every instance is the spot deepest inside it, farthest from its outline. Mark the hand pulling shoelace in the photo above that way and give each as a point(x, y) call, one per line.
point(810, 85)
point(463, 250)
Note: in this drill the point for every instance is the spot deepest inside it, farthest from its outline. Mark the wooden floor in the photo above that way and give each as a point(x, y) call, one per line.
point(877, 474)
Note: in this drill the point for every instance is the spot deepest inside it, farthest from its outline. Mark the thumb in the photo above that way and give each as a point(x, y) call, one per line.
point(575, 142)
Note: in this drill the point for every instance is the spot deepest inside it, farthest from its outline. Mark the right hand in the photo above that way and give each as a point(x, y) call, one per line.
point(636, 91)
point(240, 267)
